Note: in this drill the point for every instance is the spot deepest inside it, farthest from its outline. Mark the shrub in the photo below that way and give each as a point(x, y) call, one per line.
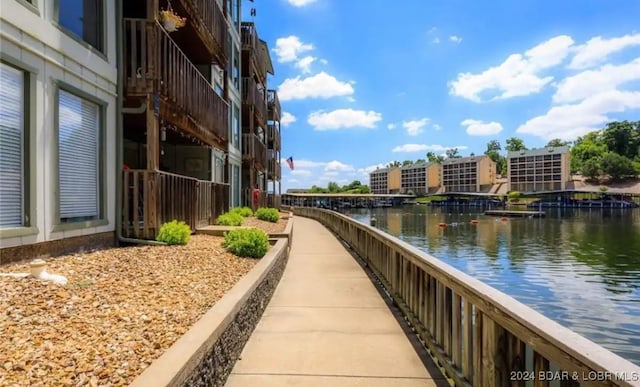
point(174, 233)
point(242, 211)
point(229, 219)
point(268, 214)
point(514, 196)
point(249, 242)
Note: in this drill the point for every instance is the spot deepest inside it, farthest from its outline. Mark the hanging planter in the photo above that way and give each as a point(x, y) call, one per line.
point(171, 21)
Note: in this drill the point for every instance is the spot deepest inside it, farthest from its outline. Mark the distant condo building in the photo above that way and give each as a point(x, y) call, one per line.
point(546, 169)
point(385, 181)
point(419, 178)
point(468, 174)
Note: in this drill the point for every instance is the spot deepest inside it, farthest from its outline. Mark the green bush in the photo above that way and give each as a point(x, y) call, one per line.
point(249, 242)
point(229, 219)
point(174, 233)
point(242, 211)
point(268, 214)
point(514, 196)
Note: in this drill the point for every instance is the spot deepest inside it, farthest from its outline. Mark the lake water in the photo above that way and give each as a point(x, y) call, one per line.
point(579, 267)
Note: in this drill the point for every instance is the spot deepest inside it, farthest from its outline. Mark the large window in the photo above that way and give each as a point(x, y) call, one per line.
point(78, 158)
point(236, 67)
point(84, 18)
point(236, 126)
point(12, 145)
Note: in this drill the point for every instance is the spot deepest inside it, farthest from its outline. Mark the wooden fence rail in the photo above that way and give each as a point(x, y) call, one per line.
point(152, 198)
point(478, 335)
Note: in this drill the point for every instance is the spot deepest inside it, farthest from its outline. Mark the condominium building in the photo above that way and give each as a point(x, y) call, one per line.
point(536, 170)
point(419, 178)
point(59, 88)
point(468, 174)
point(385, 181)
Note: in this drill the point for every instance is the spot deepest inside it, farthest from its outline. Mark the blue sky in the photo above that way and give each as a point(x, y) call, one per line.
point(363, 83)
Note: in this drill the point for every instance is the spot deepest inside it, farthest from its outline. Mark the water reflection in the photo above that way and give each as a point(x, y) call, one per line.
point(579, 267)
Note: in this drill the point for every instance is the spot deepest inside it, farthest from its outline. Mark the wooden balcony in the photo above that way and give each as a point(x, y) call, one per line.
point(253, 97)
point(273, 136)
point(254, 57)
point(207, 18)
point(155, 66)
point(254, 150)
point(273, 169)
point(273, 106)
point(151, 198)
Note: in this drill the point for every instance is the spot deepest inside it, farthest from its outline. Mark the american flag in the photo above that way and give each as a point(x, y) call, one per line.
point(290, 162)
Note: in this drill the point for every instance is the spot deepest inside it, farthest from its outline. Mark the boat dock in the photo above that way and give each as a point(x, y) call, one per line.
point(514, 214)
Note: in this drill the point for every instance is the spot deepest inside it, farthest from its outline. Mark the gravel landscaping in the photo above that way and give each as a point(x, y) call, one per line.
point(121, 309)
point(267, 227)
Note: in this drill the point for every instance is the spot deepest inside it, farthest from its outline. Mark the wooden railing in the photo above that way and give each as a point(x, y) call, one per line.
point(253, 96)
point(254, 149)
point(273, 200)
point(273, 135)
point(152, 198)
point(157, 66)
point(247, 195)
point(273, 169)
point(478, 335)
point(210, 18)
point(251, 44)
point(273, 106)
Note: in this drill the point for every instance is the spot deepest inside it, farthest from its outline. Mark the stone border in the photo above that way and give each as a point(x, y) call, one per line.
point(206, 354)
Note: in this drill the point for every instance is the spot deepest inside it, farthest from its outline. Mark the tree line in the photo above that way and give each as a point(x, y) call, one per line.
point(613, 151)
point(355, 187)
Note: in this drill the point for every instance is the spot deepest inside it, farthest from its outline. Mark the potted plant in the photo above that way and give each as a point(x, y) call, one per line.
point(171, 21)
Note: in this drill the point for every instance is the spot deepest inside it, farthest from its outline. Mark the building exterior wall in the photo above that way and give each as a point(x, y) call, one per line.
point(235, 104)
point(378, 181)
point(393, 181)
point(433, 176)
point(54, 59)
point(539, 170)
point(468, 174)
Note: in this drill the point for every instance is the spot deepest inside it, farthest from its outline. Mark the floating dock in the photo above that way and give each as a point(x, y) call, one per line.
point(523, 214)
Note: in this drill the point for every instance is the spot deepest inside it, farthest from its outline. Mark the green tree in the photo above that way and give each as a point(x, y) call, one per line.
point(394, 164)
point(515, 144)
point(622, 138)
point(556, 142)
point(586, 148)
point(591, 169)
point(453, 153)
point(407, 162)
point(433, 158)
point(617, 166)
point(493, 151)
point(420, 161)
point(333, 187)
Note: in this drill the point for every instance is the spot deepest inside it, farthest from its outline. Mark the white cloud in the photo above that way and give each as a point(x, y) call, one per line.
point(289, 48)
point(415, 127)
point(570, 121)
point(437, 127)
point(455, 39)
point(481, 128)
point(597, 49)
point(292, 180)
point(391, 126)
point(301, 3)
point(411, 148)
point(287, 119)
point(367, 170)
point(304, 163)
point(591, 82)
point(435, 40)
point(301, 172)
point(304, 64)
point(518, 75)
point(343, 118)
point(337, 166)
point(324, 61)
point(321, 85)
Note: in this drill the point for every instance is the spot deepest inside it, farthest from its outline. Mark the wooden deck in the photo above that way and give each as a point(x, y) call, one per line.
point(515, 214)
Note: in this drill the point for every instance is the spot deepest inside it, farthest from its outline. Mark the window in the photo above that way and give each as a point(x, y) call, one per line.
point(12, 147)
point(83, 18)
point(236, 67)
point(78, 158)
point(236, 126)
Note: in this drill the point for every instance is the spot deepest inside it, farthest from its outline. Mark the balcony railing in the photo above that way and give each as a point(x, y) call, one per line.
point(273, 169)
point(152, 198)
point(254, 149)
point(273, 136)
point(208, 19)
point(273, 106)
point(251, 45)
point(156, 65)
point(253, 96)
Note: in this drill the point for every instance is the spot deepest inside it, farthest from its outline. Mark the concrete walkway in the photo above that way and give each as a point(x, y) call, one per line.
point(327, 325)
